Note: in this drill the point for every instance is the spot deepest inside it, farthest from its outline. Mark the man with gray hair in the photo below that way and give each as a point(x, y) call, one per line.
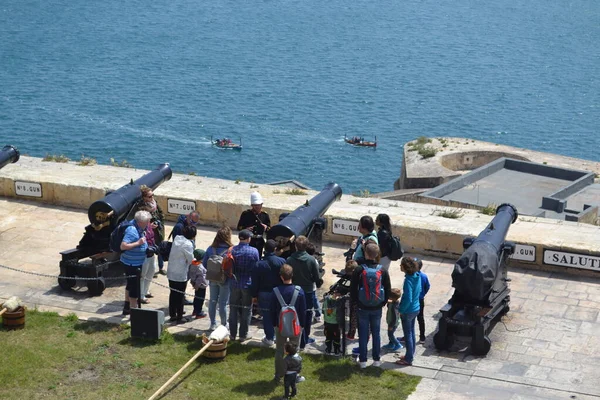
point(133, 254)
point(191, 219)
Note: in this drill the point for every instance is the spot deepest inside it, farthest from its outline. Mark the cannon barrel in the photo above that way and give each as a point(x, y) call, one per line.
point(480, 273)
point(300, 220)
point(9, 154)
point(115, 205)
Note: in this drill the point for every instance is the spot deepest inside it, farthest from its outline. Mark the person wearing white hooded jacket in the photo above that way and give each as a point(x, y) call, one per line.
point(180, 258)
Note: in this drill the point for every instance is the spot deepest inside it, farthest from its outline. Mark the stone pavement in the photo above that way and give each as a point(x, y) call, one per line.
point(546, 347)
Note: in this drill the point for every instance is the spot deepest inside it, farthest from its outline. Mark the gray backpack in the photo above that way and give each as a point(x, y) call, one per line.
point(214, 268)
point(288, 325)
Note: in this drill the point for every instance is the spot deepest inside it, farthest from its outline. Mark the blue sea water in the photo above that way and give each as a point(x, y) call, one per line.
point(152, 81)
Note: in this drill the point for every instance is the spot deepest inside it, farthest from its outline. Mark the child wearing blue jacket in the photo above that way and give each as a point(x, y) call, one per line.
point(409, 306)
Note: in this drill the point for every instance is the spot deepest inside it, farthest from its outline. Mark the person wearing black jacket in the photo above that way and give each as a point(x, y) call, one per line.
point(369, 315)
point(265, 276)
point(256, 221)
point(384, 236)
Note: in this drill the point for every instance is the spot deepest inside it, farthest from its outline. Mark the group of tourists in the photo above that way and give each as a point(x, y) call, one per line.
point(280, 283)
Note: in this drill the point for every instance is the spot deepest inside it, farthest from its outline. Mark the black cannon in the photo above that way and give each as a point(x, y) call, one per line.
point(104, 215)
point(306, 220)
point(9, 154)
point(480, 282)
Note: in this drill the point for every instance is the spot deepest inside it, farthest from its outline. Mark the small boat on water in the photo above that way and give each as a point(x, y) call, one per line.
point(226, 144)
point(360, 141)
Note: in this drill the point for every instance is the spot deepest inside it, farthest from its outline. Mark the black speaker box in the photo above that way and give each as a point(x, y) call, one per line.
point(146, 323)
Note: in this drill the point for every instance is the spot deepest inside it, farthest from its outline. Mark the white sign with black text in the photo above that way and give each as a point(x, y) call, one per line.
point(175, 206)
point(572, 260)
point(524, 253)
point(29, 189)
point(345, 227)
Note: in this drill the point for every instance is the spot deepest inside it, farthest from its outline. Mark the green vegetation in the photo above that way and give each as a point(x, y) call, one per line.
point(56, 158)
point(295, 192)
point(237, 181)
point(86, 161)
point(450, 213)
point(253, 186)
point(490, 209)
point(420, 146)
point(354, 201)
point(362, 193)
point(276, 191)
point(122, 164)
point(63, 358)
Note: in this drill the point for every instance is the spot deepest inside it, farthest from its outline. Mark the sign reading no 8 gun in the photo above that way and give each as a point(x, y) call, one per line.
point(345, 227)
point(175, 206)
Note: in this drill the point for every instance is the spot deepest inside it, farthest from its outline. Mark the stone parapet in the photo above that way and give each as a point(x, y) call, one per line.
point(220, 202)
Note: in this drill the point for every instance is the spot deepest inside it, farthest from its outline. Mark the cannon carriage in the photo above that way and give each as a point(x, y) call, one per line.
point(9, 154)
point(306, 220)
point(480, 280)
point(92, 256)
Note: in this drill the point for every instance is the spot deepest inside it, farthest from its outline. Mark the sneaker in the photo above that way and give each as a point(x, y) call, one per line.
point(388, 347)
point(355, 350)
point(162, 272)
point(212, 327)
point(243, 338)
point(300, 379)
point(362, 364)
point(377, 363)
point(267, 342)
point(421, 340)
point(397, 347)
point(144, 301)
point(201, 315)
point(149, 296)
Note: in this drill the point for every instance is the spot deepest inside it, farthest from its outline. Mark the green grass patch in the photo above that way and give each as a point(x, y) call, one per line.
point(295, 192)
point(421, 146)
point(56, 158)
point(64, 358)
point(86, 161)
point(364, 193)
point(490, 209)
point(123, 163)
point(450, 213)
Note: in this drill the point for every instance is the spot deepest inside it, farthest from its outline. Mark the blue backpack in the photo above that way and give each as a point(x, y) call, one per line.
point(371, 293)
point(117, 235)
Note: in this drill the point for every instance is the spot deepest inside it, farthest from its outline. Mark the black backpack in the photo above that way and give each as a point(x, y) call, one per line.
point(117, 235)
point(395, 247)
point(164, 248)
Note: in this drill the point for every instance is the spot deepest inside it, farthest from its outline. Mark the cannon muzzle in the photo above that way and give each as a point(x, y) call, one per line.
point(480, 272)
point(115, 205)
point(300, 221)
point(9, 154)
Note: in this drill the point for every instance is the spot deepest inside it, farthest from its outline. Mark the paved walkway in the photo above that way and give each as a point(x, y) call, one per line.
point(547, 347)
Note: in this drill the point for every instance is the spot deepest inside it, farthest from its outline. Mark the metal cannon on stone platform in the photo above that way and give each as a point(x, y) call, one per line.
point(481, 286)
point(104, 215)
point(306, 220)
point(9, 154)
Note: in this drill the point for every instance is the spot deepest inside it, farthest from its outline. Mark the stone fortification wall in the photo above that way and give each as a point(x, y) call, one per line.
point(221, 201)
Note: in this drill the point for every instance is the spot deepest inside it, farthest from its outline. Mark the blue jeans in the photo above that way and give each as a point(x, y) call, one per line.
point(161, 262)
point(219, 294)
point(369, 320)
point(316, 305)
point(241, 306)
point(264, 303)
point(408, 326)
point(392, 336)
point(308, 321)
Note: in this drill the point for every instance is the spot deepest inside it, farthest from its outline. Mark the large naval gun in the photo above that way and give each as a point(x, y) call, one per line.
point(306, 220)
point(481, 286)
point(104, 215)
point(8, 154)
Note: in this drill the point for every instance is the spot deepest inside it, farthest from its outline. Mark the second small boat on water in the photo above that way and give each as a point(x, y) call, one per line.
point(226, 144)
point(360, 142)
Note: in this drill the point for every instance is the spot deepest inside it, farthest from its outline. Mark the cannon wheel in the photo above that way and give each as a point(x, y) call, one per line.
point(481, 348)
point(96, 288)
point(443, 342)
point(66, 284)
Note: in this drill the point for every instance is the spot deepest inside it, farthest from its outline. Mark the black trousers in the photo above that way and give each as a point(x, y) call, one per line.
point(176, 299)
point(289, 382)
point(421, 320)
point(332, 337)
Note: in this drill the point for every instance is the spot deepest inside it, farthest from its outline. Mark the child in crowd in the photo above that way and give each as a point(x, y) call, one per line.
point(351, 265)
point(424, 289)
point(409, 306)
point(197, 277)
point(392, 318)
point(332, 327)
point(293, 366)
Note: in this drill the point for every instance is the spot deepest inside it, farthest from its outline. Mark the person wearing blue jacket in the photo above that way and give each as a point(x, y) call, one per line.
point(409, 306)
point(424, 289)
